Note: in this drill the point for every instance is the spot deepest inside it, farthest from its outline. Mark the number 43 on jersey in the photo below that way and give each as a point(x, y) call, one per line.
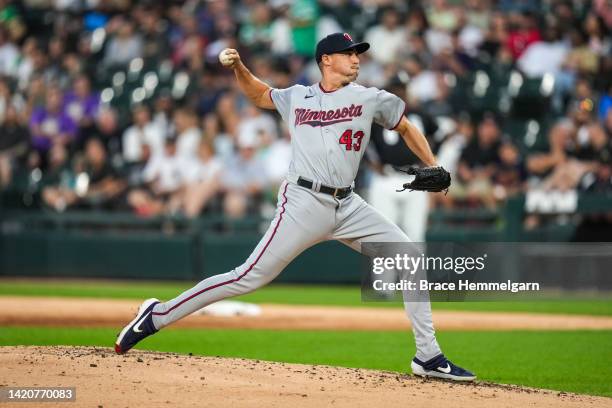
point(348, 138)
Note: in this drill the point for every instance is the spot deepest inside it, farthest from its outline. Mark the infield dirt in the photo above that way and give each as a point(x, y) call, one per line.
point(82, 312)
point(148, 379)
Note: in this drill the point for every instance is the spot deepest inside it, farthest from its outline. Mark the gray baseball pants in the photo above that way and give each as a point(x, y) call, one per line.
point(303, 218)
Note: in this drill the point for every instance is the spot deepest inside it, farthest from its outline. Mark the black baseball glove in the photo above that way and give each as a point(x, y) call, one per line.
point(434, 179)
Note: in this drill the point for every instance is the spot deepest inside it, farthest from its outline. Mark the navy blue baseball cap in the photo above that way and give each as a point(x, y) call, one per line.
point(339, 42)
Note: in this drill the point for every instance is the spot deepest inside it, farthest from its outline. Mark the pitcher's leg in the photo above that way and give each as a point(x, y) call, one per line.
point(365, 224)
point(286, 238)
point(257, 271)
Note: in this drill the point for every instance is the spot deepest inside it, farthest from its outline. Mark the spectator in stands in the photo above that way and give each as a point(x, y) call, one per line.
point(524, 31)
point(443, 19)
point(7, 99)
point(51, 125)
point(303, 15)
point(581, 58)
point(478, 14)
point(125, 45)
point(442, 16)
point(416, 21)
point(190, 44)
point(426, 90)
point(600, 151)
point(417, 47)
point(10, 17)
point(143, 139)
point(387, 38)
point(424, 83)
point(55, 66)
point(257, 32)
point(82, 104)
point(9, 55)
point(201, 182)
point(106, 128)
point(495, 37)
point(96, 184)
point(467, 37)
point(164, 175)
point(35, 95)
point(222, 141)
point(282, 41)
point(453, 145)
point(510, 174)
point(59, 179)
point(31, 63)
point(188, 135)
point(243, 179)
point(154, 36)
point(255, 121)
point(449, 153)
point(477, 166)
point(14, 144)
point(105, 186)
point(598, 33)
point(162, 113)
point(441, 48)
point(573, 144)
point(276, 156)
point(545, 56)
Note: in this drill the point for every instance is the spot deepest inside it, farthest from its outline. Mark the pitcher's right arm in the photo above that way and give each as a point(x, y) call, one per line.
point(254, 88)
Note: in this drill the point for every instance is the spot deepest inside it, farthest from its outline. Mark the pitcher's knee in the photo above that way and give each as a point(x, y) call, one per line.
point(247, 279)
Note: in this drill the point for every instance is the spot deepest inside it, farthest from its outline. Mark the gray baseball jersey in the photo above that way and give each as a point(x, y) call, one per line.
point(329, 134)
point(330, 130)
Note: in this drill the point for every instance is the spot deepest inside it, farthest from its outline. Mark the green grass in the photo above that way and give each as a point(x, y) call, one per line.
point(576, 361)
point(332, 295)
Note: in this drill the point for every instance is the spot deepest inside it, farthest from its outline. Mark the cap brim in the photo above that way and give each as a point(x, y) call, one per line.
point(359, 47)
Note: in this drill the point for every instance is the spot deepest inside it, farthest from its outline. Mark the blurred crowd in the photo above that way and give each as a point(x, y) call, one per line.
point(122, 104)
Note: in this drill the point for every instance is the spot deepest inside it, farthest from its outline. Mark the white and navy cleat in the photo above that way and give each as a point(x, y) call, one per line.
point(139, 328)
point(440, 367)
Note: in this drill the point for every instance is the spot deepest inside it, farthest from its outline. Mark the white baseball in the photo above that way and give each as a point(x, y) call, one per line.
point(227, 57)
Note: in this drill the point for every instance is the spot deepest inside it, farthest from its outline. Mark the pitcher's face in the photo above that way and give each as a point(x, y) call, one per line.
point(345, 63)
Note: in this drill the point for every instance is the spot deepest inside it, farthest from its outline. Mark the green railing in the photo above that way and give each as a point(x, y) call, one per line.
point(115, 245)
point(121, 245)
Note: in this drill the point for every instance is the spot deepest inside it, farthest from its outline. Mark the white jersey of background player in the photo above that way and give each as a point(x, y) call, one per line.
point(330, 124)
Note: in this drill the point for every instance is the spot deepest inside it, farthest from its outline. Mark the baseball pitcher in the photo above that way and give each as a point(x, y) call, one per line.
point(329, 124)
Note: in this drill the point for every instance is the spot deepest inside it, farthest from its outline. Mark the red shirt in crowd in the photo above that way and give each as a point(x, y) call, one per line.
point(518, 41)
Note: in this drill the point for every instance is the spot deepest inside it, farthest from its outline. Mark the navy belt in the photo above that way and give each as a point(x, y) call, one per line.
point(332, 191)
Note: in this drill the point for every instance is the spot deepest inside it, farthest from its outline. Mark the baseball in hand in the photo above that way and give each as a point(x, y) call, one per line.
point(228, 57)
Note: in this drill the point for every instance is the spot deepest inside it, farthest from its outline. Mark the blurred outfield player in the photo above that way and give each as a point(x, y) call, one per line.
point(330, 126)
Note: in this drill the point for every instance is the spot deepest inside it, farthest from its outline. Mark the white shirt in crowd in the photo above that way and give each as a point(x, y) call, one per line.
point(240, 173)
point(197, 171)
point(450, 152)
point(438, 41)
point(168, 172)
point(542, 57)
point(424, 86)
point(9, 59)
point(385, 43)
point(187, 143)
point(260, 123)
point(134, 139)
point(276, 159)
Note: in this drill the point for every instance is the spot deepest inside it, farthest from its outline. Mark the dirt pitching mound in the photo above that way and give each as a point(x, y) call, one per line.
point(148, 379)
